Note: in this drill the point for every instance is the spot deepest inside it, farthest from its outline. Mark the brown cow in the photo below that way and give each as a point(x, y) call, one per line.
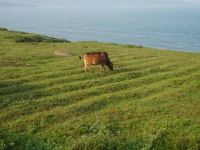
point(96, 58)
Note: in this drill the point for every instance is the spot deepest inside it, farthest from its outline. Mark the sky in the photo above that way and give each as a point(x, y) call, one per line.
point(11, 3)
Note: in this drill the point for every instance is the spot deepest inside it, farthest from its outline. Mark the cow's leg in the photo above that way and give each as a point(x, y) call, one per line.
point(86, 68)
point(90, 67)
point(102, 67)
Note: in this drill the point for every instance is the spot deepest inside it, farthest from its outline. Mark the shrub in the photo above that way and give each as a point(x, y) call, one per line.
point(4, 29)
point(133, 46)
point(39, 38)
point(162, 141)
point(15, 141)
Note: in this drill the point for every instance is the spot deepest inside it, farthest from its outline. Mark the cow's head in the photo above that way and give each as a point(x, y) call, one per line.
point(110, 65)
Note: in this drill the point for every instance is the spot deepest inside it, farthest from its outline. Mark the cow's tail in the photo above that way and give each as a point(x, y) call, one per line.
point(80, 57)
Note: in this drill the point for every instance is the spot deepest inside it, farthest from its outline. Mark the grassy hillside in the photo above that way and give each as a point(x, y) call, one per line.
point(150, 101)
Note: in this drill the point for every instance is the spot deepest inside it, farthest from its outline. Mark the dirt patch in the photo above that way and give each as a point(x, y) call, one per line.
point(62, 53)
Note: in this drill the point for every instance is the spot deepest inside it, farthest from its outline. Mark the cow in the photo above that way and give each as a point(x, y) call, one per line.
point(96, 58)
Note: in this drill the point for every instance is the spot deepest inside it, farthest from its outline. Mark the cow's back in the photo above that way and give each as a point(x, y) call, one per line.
point(95, 58)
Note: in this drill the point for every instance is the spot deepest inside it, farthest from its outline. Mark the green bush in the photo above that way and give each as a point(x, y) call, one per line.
point(39, 38)
point(133, 46)
point(4, 29)
point(161, 141)
point(16, 141)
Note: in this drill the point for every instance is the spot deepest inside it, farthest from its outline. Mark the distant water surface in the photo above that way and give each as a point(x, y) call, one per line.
point(168, 28)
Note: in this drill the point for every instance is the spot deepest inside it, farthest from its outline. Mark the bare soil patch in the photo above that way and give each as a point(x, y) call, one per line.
point(63, 53)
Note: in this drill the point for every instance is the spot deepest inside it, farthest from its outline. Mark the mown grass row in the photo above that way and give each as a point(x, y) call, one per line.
point(137, 116)
point(58, 82)
point(77, 130)
point(97, 101)
point(58, 79)
point(65, 70)
point(119, 82)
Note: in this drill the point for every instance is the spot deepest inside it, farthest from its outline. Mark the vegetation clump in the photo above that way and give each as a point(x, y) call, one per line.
point(39, 38)
point(133, 46)
point(3, 29)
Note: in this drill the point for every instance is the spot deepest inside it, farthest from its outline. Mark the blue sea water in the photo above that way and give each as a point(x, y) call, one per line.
point(175, 28)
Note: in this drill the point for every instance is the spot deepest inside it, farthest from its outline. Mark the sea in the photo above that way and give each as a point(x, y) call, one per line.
point(174, 27)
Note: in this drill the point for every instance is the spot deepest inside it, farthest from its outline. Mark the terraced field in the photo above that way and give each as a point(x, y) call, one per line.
point(150, 101)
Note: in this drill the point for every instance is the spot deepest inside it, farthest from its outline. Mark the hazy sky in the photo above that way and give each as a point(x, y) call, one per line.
point(96, 2)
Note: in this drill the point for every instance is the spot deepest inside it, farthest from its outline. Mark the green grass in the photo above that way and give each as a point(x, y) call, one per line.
point(151, 100)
